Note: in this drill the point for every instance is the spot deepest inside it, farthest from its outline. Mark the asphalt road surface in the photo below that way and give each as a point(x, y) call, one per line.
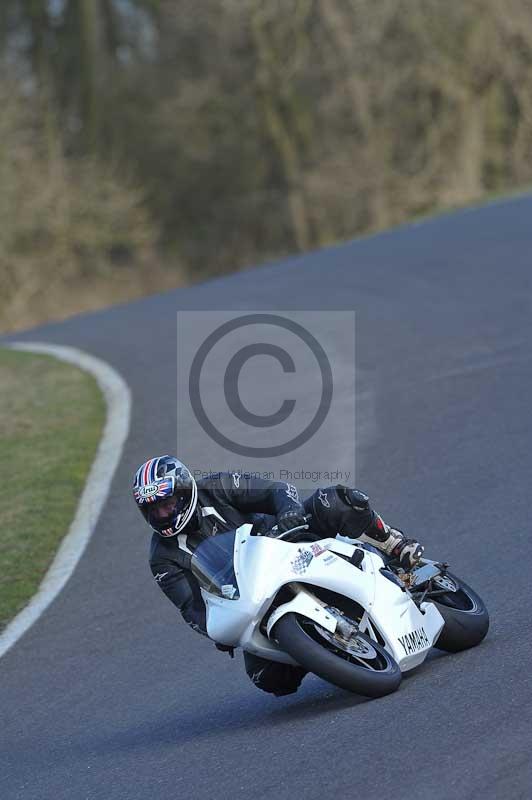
point(111, 696)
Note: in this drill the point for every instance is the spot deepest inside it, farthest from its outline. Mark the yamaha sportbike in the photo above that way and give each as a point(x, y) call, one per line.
point(344, 611)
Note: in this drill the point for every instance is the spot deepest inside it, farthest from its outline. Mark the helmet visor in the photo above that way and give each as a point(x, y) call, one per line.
point(165, 512)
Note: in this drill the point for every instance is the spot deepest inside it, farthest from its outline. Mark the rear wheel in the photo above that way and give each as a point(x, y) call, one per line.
point(357, 664)
point(466, 617)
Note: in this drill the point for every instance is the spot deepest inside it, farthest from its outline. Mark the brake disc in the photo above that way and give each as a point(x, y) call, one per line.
point(354, 645)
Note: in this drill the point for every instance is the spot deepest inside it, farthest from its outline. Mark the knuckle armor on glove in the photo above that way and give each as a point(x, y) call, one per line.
point(291, 519)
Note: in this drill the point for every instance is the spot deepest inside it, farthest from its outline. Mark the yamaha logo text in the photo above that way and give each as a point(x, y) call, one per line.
point(414, 641)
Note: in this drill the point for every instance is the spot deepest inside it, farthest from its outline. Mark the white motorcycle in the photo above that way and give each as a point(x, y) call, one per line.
point(340, 610)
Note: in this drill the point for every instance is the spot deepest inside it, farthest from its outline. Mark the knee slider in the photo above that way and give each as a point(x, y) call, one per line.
point(353, 497)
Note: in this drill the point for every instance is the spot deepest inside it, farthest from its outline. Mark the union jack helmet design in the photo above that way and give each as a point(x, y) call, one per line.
point(166, 494)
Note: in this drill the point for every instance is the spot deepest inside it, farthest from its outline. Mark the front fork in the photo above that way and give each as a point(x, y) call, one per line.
point(345, 627)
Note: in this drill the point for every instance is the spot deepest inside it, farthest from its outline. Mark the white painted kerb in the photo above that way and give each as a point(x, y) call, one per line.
point(94, 495)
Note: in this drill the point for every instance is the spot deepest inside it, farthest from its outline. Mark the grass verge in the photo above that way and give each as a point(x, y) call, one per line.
point(51, 419)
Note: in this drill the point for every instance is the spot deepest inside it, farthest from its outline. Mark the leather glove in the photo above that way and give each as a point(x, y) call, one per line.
point(408, 552)
point(291, 519)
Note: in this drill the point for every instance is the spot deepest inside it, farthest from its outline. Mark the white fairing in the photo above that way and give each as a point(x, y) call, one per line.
point(264, 565)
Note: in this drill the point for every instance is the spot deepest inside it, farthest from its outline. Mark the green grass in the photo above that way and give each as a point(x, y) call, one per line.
point(51, 420)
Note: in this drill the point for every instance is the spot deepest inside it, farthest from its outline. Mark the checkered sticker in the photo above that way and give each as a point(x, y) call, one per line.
point(301, 562)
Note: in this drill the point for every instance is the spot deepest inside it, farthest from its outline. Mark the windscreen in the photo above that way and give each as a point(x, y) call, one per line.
point(212, 565)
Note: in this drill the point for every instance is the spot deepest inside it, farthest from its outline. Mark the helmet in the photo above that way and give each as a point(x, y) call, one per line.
point(166, 494)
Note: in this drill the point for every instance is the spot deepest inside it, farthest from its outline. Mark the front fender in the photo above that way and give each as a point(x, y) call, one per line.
point(306, 605)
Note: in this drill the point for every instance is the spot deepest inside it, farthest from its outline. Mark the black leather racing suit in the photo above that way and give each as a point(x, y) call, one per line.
point(225, 501)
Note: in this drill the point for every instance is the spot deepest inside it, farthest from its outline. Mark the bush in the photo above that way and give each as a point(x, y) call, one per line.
point(73, 231)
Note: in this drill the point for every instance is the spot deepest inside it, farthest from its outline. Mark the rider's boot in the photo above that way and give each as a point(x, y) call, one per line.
point(391, 541)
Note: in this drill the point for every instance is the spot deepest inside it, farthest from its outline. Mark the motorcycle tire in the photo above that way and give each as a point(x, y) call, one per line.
point(466, 617)
point(318, 651)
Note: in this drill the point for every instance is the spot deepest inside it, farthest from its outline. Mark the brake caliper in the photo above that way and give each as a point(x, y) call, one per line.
point(345, 628)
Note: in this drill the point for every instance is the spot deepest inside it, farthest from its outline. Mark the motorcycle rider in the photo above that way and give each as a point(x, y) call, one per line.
point(183, 512)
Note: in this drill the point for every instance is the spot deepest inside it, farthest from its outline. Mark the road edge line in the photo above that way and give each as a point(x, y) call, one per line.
point(117, 397)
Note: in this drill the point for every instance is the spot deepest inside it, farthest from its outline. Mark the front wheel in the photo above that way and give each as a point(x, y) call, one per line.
point(358, 664)
point(466, 617)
